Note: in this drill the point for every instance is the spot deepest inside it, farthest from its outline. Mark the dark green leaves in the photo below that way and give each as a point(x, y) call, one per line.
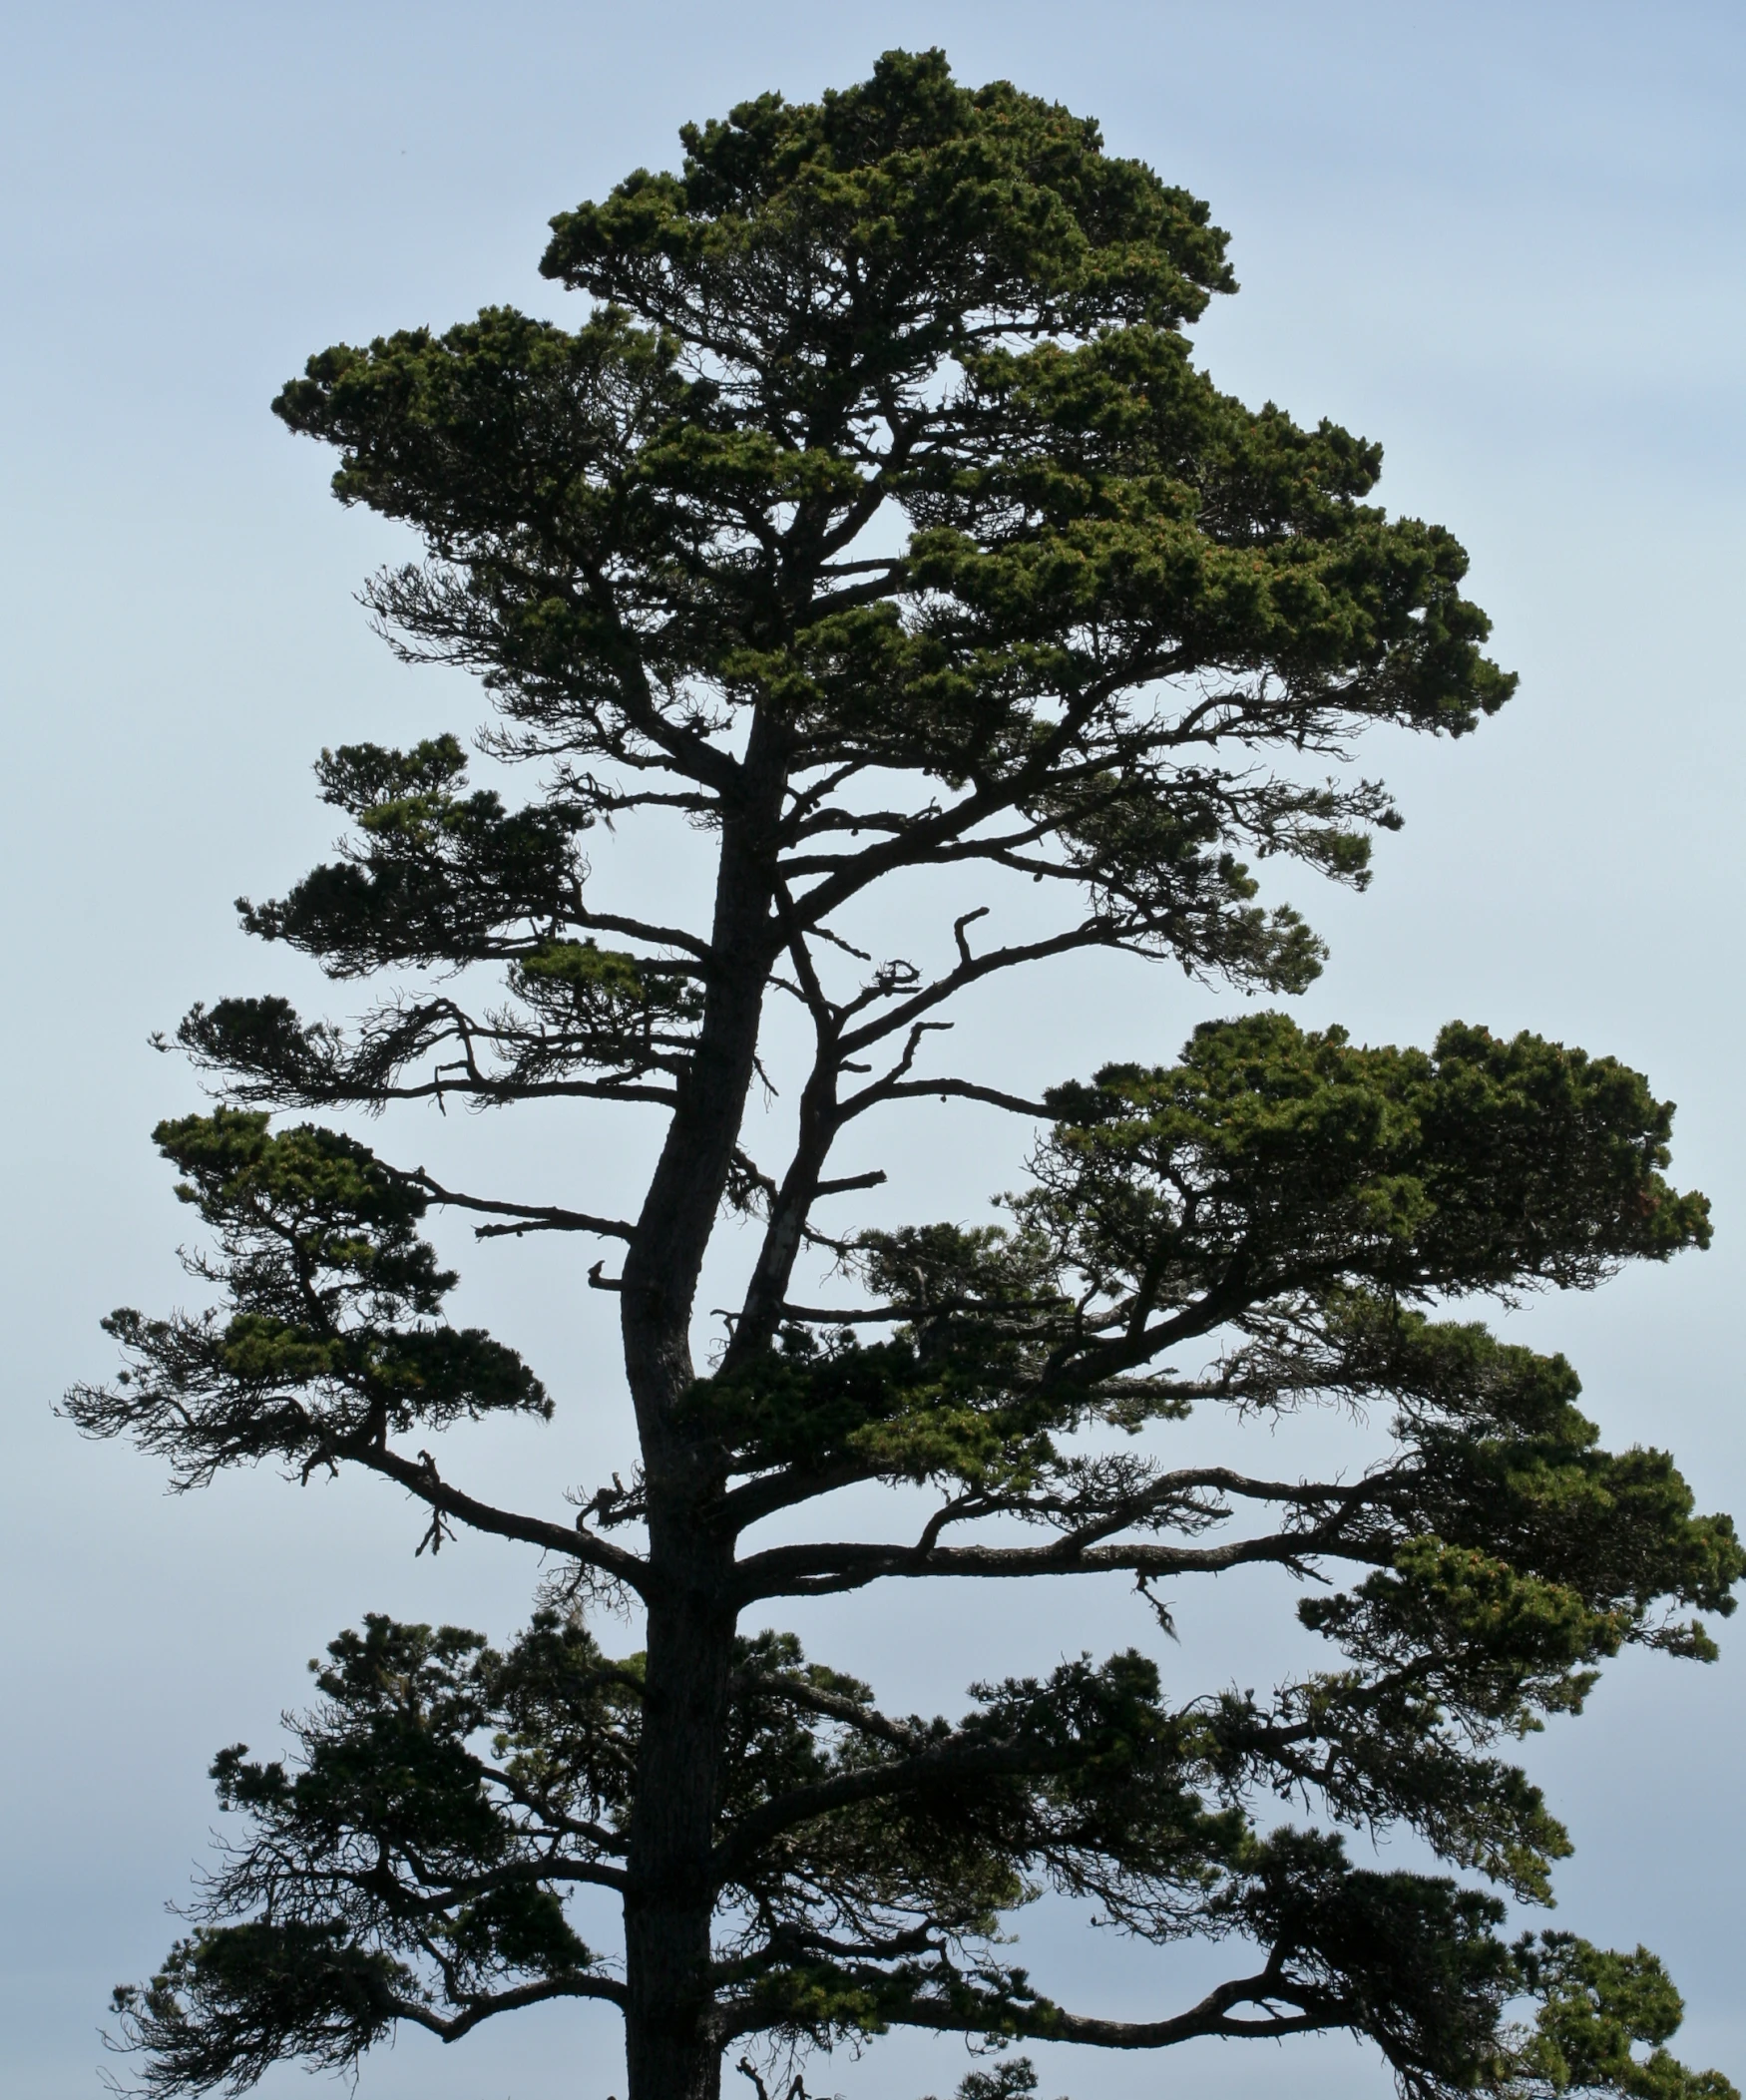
point(438, 878)
point(1271, 1160)
point(503, 426)
point(604, 1008)
point(929, 206)
point(1280, 1198)
point(398, 1871)
point(885, 1409)
point(1597, 2010)
point(232, 2001)
point(332, 1338)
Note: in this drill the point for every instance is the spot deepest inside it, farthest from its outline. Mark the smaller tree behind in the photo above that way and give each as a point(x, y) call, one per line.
point(1117, 597)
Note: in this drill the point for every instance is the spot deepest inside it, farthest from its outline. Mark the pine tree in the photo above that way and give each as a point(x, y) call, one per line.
point(876, 521)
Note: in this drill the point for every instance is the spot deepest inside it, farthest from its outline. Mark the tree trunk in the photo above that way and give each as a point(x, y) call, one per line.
point(670, 2045)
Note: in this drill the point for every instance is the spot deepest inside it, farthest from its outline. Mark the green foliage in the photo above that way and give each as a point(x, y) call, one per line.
point(333, 1338)
point(1595, 2009)
point(606, 1008)
point(617, 518)
point(396, 1864)
point(901, 1410)
point(437, 873)
point(952, 202)
point(1301, 1160)
point(229, 2004)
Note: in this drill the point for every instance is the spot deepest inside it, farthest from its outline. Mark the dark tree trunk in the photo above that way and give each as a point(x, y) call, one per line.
point(670, 2045)
point(671, 2048)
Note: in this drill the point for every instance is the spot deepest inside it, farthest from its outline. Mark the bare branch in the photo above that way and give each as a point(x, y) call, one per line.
point(570, 1541)
point(940, 1089)
point(482, 2008)
point(534, 1217)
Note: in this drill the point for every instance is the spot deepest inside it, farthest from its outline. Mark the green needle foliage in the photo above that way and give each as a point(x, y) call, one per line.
point(877, 524)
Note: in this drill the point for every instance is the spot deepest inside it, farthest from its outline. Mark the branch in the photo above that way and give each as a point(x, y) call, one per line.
point(956, 1759)
point(484, 2007)
point(539, 1217)
point(1043, 2021)
point(923, 840)
point(819, 1570)
point(480, 1088)
point(432, 1894)
point(1089, 933)
point(639, 930)
point(420, 1477)
point(939, 1090)
point(831, 1706)
point(761, 1497)
point(555, 1820)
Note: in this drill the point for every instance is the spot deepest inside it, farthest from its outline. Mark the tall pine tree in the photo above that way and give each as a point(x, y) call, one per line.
point(876, 521)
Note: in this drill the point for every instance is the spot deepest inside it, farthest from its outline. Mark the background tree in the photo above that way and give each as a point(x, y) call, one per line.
point(876, 521)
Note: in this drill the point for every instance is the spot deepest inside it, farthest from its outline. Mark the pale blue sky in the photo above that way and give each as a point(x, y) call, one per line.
point(1505, 240)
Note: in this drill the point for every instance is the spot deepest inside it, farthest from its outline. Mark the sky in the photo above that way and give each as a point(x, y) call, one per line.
point(1505, 240)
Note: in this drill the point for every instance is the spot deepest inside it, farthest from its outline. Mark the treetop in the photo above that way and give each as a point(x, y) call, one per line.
point(910, 203)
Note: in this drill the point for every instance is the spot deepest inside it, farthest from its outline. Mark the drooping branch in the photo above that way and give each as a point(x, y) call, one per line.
point(568, 1541)
point(451, 2028)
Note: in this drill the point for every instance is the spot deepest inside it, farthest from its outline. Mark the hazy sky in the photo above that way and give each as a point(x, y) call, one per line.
point(1505, 240)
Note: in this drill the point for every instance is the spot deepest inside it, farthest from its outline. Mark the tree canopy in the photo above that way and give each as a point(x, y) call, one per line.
point(876, 521)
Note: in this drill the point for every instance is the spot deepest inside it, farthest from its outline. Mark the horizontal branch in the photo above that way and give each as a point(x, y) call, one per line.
point(819, 1570)
point(641, 929)
point(940, 1089)
point(483, 1089)
point(765, 1494)
point(1043, 2021)
point(1089, 933)
point(546, 1217)
point(830, 1706)
point(434, 1896)
point(875, 1177)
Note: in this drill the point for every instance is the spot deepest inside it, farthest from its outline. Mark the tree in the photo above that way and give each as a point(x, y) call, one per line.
point(876, 521)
